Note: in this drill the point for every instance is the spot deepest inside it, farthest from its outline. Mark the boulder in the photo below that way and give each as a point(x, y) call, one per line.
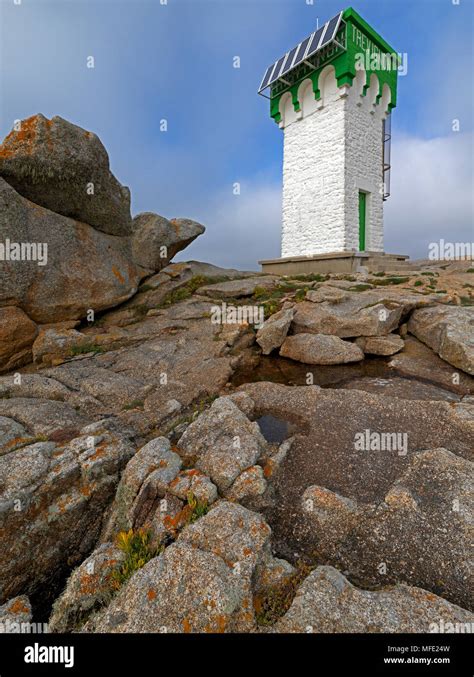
point(197, 483)
point(88, 588)
point(56, 344)
point(222, 442)
point(64, 168)
point(368, 313)
point(86, 268)
point(417, 361)
point(449, 331)
point(17, 333)
point(250, 483)
point(327, 602)
point(380, 345)
point(53, 497)
point(156, 240)
point(274, 330)
point(326, 293)
point(320, 349)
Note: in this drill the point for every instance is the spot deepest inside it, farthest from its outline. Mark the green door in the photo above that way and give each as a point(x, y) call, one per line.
point(362, 212)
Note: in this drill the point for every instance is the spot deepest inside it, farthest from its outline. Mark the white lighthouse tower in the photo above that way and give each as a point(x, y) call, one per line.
point(332, 96)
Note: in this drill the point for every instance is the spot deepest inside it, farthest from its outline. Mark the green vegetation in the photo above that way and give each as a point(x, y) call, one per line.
point(383, 282)
point(360, 287)
point(85, 348)
point(134, 404)
point(418, 283)
point(470, 270)
point(310, 277)
point(275, 602)
point(467, 300)
point(138, 551)
point(189, 288)
point(196, 508)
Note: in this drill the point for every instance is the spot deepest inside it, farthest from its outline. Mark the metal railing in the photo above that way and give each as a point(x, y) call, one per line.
point(386, 155)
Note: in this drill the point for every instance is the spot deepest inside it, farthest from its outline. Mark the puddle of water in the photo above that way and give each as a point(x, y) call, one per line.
point(373, 375)
point(281, 370)
point(274, 430)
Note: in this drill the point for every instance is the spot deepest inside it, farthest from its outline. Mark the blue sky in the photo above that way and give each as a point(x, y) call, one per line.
point(175, 62)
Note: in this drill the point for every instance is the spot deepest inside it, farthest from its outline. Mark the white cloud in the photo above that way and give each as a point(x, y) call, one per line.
point(432, 193)
point(240, 229)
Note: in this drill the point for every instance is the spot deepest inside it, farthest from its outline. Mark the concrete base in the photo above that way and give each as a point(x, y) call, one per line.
point(337, 262)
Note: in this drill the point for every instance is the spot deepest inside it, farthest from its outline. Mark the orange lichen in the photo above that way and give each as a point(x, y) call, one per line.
point(151, 594)
point(186, 625)
point(118, 275)
point(18, 607)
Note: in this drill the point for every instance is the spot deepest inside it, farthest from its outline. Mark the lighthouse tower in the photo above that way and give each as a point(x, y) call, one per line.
point(332, 95)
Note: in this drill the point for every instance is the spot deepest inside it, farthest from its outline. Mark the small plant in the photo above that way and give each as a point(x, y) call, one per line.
point(196, 507)
point(310, 277)
point(275, 602)
point(380, 274)
point(301, 294)
point(360, 287)
point(134, 404)
point(470, 270)
point(270, 308)
point(382, 282)
point(418, 283)
point(138, 551)
point(85, 348)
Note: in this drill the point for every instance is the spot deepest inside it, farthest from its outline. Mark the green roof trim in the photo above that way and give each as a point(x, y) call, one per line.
point(360, 39)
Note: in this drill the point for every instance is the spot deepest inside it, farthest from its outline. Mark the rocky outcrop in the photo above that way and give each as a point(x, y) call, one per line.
point(87, 268)
point(320, 349)
point(53, 496)
point(449, 331)
point(274, 330)
point(144, 481)
point(366, 539)
point(201, 583)
point(89, 587)
point(369, 443)
point(327, 602)
point(65, 168)
point(239, 288)
point(156, 240)
point(17, 333)
point(65, 225)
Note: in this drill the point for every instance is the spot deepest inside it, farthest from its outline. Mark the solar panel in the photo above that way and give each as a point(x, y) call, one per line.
point(277, 70)
point(331, 30)
point(289, 61)
point(315, 41)
point(266, 77)
point(302, 51)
